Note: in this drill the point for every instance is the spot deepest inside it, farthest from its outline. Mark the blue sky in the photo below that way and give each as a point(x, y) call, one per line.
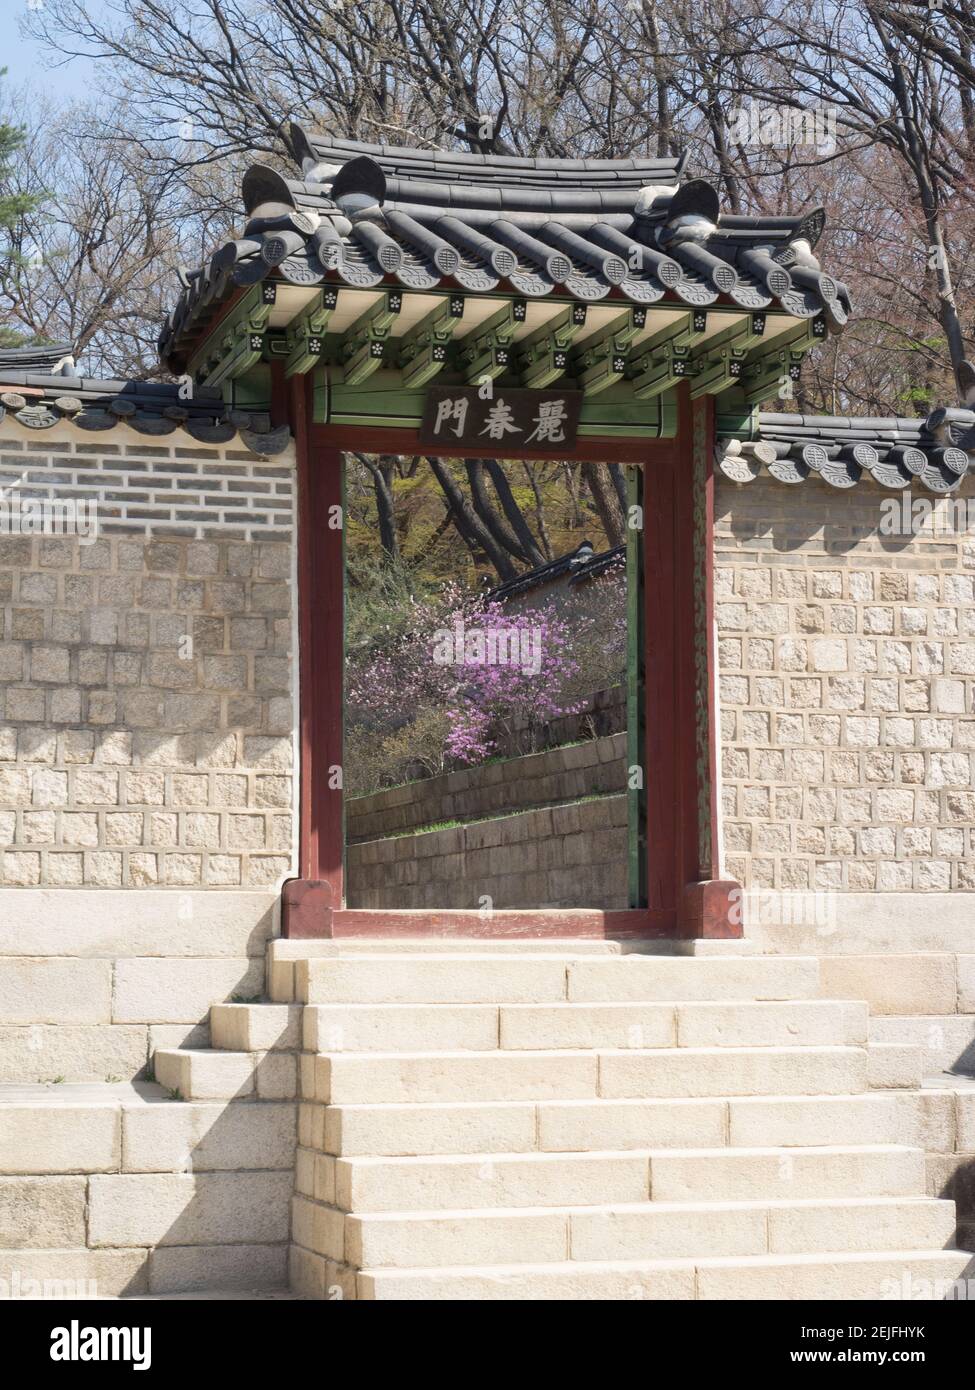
point(26, 60)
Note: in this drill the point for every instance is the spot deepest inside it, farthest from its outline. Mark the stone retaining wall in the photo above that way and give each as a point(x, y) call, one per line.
point(472, 793)
point(602, 713)
point(92, 981)
point(559, 856)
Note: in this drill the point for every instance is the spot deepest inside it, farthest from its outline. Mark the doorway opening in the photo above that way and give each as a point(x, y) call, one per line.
point(493, 718)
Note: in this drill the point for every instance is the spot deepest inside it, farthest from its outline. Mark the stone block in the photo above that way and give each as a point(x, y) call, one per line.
point(180, 991)
point(496, 1180)
point(54, 990)
point(893, 984)
point(176, 1136)
point(362, 1078)
point(188, 1208)
point(229, 1268)
point(59, 1138)
point(42, 1213)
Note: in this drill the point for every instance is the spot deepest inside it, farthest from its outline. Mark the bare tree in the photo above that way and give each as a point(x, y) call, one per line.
point(98, 243)
point(381, 471)
point(200, 86)
point(600, 483)
point(893, 80)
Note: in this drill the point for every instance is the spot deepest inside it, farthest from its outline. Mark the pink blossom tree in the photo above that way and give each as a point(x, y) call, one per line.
point(484, 696)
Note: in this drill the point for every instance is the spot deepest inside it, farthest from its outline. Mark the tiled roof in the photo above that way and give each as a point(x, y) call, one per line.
point(51, 357)
point(38, 400)
point(937, 450)
point(580, 564)
point(361, 215)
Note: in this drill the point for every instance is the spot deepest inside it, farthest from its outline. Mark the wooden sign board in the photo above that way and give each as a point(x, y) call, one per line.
point(503, 423)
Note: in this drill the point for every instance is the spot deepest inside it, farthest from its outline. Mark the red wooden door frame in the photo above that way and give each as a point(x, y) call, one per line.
point(321, 635)
point(685, 898)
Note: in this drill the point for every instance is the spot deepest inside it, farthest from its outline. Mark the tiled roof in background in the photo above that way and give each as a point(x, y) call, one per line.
point(580, 564)
point(460, 166)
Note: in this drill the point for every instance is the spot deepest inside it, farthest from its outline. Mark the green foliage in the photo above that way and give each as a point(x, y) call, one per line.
point(10, 337)
point(13, 208)
point(427, 557)
point(390, 600)
point(375, 759)
point(381, 594)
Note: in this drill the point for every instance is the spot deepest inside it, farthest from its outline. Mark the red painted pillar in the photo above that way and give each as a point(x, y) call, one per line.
point(308, 900)
point(661, 686)
point(711, 905)
point(681, 737)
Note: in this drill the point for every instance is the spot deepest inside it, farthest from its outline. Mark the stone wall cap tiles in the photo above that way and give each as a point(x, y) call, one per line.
point(937, 450)
point(39, 400)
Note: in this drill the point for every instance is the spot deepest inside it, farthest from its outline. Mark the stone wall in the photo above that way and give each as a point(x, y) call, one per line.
point(596, 715)
point(911, 956)
point(847, 670)
point(146, 695)
point(542, 847)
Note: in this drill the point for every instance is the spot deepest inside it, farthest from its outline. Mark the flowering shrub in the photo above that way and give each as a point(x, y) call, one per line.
point(453, 673)
point(487, 698)
point(391, 675)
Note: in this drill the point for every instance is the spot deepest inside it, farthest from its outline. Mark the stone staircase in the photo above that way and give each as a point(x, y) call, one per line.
point(127, 1190)
point(505, 1120)
point(508, 1124)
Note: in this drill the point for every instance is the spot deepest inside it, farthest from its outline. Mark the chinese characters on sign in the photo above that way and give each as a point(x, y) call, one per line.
point(538, 421)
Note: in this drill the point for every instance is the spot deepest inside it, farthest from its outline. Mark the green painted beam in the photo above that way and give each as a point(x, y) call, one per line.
point(486, 352)
point(764, 372)
point(600, 362)
point(766, 378)
point(423, 351)
point(681, 333)
point(659, 371)
point(618, 406)
point(240, 354)
point(721, 359)
point(601, 430)
point(237, 343)
point(321, 391)
point(543, 357)
point(716, 374)
point(636, 708)
point(305, 334)
point(661, 361)
point(733, 415)
point(376, 381)
point(800, 338)
point(747, 334)
point(363, 346)
point(250, 392)
point(382, 395)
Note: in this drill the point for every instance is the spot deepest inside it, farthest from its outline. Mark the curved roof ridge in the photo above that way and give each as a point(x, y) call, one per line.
point(541, 171)
point(362, 213)
point(36, 357)
point(39, 400)
point(776, 420)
